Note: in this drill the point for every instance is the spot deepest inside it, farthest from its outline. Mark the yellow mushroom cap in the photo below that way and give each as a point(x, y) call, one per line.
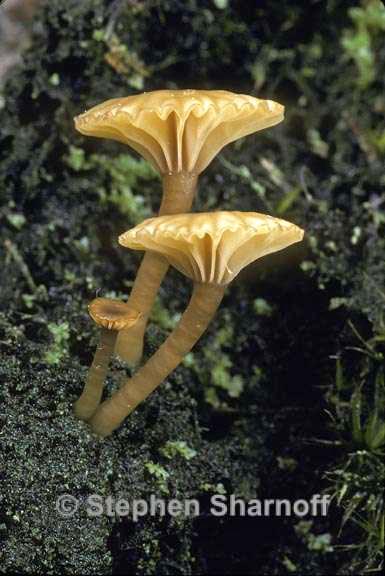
point(179, 130)
point(112, 314)
point(212, 247)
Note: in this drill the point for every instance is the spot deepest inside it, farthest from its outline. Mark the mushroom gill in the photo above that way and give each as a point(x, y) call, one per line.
point(179, 130)
point(212, 247)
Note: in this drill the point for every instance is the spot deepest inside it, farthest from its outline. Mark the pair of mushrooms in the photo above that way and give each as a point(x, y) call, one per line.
point(179, 132)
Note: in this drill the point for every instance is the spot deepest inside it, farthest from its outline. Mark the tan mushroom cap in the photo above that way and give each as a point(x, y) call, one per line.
point(212, 247)
point(112, 314)
point(179, 130)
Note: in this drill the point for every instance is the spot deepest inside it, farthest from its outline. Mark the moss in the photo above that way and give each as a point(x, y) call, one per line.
point(178, 447)
point(125, 178)
point(355, 480)
point(369, 21)
point(160, 474)
point(266, 360)
point(59, 347)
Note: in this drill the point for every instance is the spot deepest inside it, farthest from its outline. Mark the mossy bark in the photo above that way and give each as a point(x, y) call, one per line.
point(324, 169)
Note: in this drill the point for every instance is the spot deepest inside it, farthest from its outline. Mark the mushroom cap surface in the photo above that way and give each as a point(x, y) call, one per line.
point(212, 247)
point(112, 314)
point(179, 130)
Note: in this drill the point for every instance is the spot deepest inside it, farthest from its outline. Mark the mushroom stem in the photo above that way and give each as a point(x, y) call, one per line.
point(203, 304)
point(91, 396)
point(178, 192)
point(178, 195)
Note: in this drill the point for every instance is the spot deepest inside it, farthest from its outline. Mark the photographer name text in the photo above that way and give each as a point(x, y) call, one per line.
point(220, 505)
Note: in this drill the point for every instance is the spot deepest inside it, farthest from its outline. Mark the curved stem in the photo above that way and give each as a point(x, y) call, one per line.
point(203, 304)
point(178, 195)
point(151, 272)
point(91, 396)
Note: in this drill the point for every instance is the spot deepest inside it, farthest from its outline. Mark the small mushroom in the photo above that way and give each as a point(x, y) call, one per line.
point(211, 249)
point(112, 316)
point(179, 132)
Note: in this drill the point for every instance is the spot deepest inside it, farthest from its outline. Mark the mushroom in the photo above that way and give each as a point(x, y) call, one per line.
point(179, 132)
point(112, 316)
point(211, 249)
